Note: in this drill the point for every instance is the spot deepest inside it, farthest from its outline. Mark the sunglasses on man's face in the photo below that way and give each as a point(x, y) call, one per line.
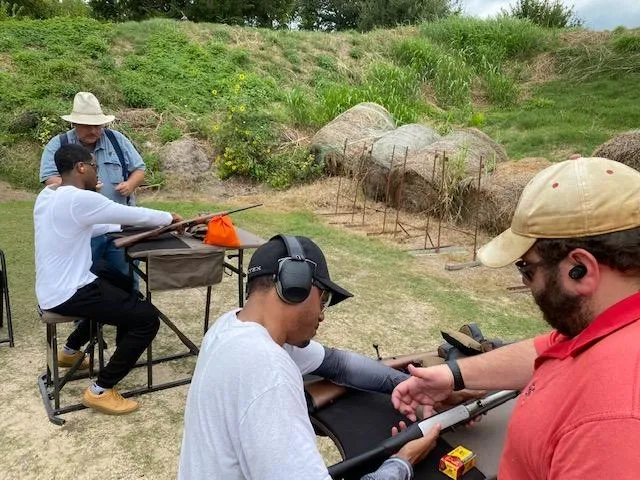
point(325, 299)
point(528, 269)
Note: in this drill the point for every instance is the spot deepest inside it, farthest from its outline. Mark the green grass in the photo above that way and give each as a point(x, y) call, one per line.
point(564, 117)
point(195, 74)
point(377, 277)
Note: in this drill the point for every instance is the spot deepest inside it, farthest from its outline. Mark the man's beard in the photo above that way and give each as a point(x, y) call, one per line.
point(565, 312)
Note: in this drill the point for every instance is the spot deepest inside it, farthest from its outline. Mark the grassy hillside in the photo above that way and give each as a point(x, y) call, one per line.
point(255, 95)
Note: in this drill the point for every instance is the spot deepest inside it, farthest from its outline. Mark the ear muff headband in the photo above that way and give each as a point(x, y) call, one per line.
point(295, 273)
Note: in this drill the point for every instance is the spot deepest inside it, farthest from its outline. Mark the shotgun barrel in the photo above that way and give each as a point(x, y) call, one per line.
point(446, 419)
point(131, 239)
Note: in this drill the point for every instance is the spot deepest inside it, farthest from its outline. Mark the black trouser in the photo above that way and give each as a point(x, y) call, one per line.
point(136, 321)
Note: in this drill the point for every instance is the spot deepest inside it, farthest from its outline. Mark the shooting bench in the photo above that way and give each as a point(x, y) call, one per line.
point(169, 262)
point(5, 305)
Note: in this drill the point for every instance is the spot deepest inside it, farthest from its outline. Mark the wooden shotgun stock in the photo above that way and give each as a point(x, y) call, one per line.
point(131, 239)
point(322, 392)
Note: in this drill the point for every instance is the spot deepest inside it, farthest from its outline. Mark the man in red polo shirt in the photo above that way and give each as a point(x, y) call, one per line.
point(575, 238)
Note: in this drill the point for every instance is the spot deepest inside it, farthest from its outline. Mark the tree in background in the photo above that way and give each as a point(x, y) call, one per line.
point(41, 9)
point(366, 15)
point(263, 13)
point(390, 13)
point(546, 13)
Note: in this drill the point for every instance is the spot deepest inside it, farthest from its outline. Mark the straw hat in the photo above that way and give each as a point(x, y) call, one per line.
point(87, 111)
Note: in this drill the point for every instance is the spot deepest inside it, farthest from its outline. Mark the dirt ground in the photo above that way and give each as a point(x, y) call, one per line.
point(146, 444)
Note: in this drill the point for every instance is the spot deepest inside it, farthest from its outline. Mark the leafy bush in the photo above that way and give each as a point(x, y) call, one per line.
point(153, 176)
point(169, 132)
point(495, 39)
point(546, 13)
point(627, 43)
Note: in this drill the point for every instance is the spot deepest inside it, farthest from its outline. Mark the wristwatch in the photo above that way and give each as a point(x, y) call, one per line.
point(458, 382)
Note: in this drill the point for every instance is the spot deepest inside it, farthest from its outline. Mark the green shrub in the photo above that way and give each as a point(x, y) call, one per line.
point(417, 53)
point(63, 69)
point(153, 176)
point(169, 132)
point(292, 166)
point(496, 39)
point(452, 81)
point(137, 96)
point(627, 43)
point(501, 90)
point(94, 46)
point(326, 62)
point(546, 13)
point(477, 120)
point(300, 107)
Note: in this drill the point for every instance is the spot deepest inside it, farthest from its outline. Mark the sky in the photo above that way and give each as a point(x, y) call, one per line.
point(597, 14)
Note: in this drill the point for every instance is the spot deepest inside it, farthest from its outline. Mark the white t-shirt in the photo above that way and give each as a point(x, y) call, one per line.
point(65, 219)
point(246, 415)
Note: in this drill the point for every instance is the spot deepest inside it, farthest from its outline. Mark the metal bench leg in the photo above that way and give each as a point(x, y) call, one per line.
point(5, 305)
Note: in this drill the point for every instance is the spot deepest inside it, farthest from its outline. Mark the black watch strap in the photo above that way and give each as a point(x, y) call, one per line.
point(458, 382)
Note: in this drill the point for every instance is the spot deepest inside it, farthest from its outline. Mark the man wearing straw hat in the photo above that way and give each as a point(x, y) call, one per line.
point(575, 239)
point(120, 171)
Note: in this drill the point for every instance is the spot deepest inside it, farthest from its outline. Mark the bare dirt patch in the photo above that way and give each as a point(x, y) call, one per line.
point(8, 193)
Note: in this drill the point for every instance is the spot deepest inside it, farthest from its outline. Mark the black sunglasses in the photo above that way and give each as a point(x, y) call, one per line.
point(528, 269)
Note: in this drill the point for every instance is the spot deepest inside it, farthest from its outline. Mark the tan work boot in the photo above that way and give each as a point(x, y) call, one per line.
point(109, 402)
point(66, 360)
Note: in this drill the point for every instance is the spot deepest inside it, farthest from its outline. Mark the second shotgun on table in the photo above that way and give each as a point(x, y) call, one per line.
point(131, 239)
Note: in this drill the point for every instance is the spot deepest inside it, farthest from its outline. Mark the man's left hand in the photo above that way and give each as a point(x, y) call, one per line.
point(125, 189)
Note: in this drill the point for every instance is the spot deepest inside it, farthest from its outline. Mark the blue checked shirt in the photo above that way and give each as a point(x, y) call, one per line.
point(109, 168)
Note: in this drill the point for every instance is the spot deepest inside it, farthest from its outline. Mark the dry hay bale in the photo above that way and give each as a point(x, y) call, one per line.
point(391, 149)
point(359, 127)
point(421, 186)
point(496, 201)
point(623, 148)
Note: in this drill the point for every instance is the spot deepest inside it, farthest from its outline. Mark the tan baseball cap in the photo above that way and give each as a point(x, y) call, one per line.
point(574, 198)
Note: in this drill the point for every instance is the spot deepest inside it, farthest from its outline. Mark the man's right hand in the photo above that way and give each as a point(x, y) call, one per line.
point(427, 387)
point(175, 218)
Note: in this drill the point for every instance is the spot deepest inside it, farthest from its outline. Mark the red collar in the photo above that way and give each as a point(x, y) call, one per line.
point(614, 318)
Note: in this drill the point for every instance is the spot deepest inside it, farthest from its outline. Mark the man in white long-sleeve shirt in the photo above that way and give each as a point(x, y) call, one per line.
point(66, 217)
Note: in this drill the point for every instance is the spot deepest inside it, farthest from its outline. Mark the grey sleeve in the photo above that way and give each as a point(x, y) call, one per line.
point(394, 468)
point(357, 371)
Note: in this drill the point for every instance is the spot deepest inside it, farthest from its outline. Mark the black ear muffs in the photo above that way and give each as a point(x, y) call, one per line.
point(577, 272)
point(295, 273)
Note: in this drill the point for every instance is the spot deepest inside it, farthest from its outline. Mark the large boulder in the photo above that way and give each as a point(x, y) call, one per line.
point(184, 162)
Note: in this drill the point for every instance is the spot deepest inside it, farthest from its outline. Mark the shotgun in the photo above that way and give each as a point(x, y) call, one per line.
point(135, 238)
point(320, 393)
point(447, 419)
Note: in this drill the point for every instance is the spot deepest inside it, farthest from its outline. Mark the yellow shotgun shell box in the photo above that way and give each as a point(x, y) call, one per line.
point(457, 462)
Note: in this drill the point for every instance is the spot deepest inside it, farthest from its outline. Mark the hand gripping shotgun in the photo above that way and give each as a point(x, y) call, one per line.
point(131, 239)
point(447, 419)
